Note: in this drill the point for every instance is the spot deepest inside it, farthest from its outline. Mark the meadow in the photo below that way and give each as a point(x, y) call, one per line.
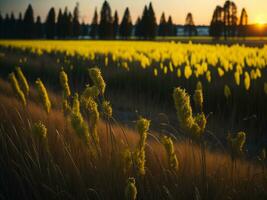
point(132, 120)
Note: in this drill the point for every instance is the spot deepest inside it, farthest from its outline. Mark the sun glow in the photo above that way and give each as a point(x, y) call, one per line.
point(260, 20)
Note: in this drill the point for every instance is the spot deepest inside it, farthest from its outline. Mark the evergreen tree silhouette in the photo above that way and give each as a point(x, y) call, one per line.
point(163, 29)
point(94, 26)
point(171, 30)
point(126, 24)
point(12, 26)
point(60, 24)
point(6, 24)
point(152, 22)
point(243, 23)
point(105, 30)
point(70, 25)
point(75, 22)
point(19, 26)
point(65, 23)
point(137, 31)
point(115, 24)
point(28, 23)
point(143, 25)
point(50, 24)
point(84, 31)
point(1, 25)
point(189, 28)
point(38, 27)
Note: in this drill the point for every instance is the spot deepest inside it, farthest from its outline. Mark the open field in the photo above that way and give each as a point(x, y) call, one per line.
point(87, 148)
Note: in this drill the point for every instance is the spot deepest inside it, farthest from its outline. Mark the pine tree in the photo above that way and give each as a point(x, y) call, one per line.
point(105, 30)
point(28, 22)
point(12, 26)
point(65, 22)
point(75, 22)
point(163, 29)
point(94, 25)
point(70, 25)
point(137, 31)
point(60, 24)
point(143, 25)
point(19, 26)
point(126, 24)
point(1, 26)
point(115, 24)
point(50, 24)
point(171, 30)
point(152, 22)
point(6, 23)
point(38, 28)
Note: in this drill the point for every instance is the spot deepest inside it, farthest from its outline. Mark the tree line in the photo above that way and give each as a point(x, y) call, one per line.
point(225, 21)
point(106, 25)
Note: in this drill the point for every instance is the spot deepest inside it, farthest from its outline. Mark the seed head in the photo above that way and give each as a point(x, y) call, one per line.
point(23, 81)
point(16, 88)
point(130, 190)
point(97, 79)
point(43, 95)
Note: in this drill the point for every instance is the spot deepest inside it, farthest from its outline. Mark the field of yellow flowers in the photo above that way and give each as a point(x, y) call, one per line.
point(245, 64)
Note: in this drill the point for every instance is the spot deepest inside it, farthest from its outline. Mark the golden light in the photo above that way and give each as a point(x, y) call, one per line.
point(260, 21)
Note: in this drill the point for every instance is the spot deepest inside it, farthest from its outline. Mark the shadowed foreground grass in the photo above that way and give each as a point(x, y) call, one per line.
point(63, 167)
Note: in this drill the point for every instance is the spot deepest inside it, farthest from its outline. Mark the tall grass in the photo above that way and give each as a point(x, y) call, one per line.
point(43, 157)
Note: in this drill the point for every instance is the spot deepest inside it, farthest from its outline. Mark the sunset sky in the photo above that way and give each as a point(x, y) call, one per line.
point(202, 9)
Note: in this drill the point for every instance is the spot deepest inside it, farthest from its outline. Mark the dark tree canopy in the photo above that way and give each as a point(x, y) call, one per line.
point(50, 24)
point(60, 24)
point(94, 25)
point(38, 27)
point(75, 21)
point(217, 23)
point(230, 19)
point(163, 29)
point(28, 23)
point(190, 28)
point(105, 29)
point(115, 24)
point(243, 23)
point(126, 24)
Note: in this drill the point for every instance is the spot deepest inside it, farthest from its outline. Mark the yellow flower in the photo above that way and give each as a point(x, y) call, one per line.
point(237, 78)
point(77, 121)
point(43, 95)
point(198, 98)
point(237, 143)
point(247, 81)
point(63, 77)
point(187, 72)
point(97, 79)
point(15, 86)
point(40, 130)
point(23, 81)
point(130, 190)
point(107, 109)
point(172, 159)
point(227, 91)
